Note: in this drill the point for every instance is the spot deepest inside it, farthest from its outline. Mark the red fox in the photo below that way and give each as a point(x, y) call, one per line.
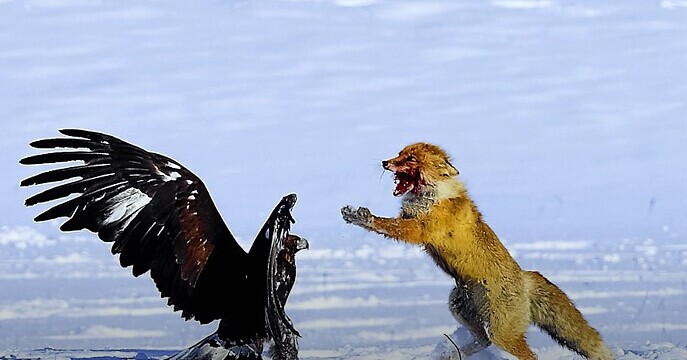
point(492, 291)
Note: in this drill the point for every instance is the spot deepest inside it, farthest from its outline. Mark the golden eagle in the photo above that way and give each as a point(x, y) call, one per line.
point(160, 217)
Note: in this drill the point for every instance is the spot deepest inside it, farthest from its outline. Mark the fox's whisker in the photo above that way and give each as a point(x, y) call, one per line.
point(381, 175)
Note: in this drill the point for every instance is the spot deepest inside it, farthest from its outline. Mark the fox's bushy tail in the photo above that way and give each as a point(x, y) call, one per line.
point(555, 313)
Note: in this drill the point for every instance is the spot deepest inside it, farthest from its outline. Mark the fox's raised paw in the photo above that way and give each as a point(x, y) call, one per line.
point(361, 216)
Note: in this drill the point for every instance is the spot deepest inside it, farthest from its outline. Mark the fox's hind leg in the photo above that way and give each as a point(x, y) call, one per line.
point(466, 312)
point(508, 323)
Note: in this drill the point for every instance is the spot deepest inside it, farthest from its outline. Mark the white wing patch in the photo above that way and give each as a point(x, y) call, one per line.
point(168, 176)
point(124, 204)
point(171, 176)
point(173, 166)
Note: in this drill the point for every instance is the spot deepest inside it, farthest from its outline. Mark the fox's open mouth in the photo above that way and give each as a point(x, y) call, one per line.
point(406, 181)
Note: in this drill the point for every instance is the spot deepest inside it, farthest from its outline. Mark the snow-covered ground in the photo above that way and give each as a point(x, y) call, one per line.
point(566, 119)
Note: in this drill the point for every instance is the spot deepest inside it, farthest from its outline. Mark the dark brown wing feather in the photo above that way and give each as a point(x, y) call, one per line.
point(158, 215)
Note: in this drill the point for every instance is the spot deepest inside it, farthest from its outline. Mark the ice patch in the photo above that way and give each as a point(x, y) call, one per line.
point(611, 258)
point(403, 335)
point(592, 310)
point(346, 286)
point(598, 294)
point(20, 276)
point(120, 301)
point(652, 327)
point(106, 332)
point(73, 258)
point(62, 354)
point(22, 237)
point(336, 302)
point(46, 308)
point(364, 252)
point(552, 245)
point(662, 350)
point(647, 248)
point(347, 323)
point(118, 311)
point(33, 309)
point(319, 254)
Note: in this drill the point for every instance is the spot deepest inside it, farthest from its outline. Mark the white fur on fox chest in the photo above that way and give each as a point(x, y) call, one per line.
point(414, 205)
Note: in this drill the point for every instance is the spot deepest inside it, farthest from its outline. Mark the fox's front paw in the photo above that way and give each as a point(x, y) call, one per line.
point(361, 216)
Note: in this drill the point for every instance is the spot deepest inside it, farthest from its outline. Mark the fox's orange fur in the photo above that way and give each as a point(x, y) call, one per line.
point(492, 291)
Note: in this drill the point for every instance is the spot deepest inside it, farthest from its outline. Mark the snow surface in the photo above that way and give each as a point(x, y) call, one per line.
point(565, 118)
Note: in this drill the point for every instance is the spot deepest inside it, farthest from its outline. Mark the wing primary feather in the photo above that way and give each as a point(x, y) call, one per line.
point(64, 190)
point(61, 174)
point(86, 134)
point(55, 157)
point(71, 143)
point(67, 208)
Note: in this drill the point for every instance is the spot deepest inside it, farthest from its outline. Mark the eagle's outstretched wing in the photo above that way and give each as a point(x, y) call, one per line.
point(159, 217)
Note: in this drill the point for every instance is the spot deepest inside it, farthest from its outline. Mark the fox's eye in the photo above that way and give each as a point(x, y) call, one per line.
point(411, 158)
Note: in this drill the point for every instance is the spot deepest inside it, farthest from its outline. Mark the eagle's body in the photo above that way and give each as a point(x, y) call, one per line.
point(161, 219)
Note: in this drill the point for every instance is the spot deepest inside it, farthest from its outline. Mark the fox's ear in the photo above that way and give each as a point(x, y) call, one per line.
point(452, 171)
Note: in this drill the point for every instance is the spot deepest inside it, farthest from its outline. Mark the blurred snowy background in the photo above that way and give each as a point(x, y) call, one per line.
point(567, 120)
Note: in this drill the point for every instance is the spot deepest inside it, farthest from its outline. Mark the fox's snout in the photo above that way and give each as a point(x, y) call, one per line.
point(397, 164)
point(394, 165)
